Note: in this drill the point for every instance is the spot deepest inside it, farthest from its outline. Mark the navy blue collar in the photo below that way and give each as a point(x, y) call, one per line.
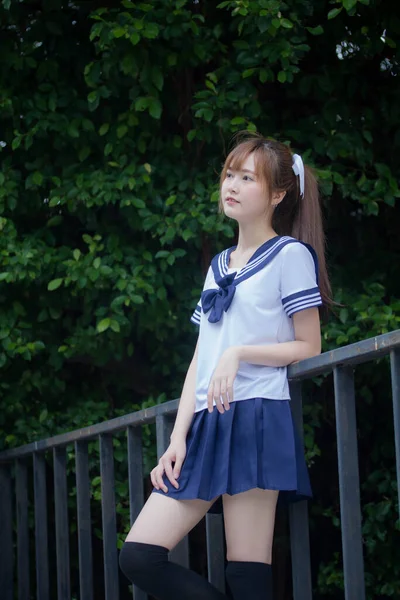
point(261, 257)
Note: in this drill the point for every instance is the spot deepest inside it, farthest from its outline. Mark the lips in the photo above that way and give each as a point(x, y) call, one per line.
point(230, 199)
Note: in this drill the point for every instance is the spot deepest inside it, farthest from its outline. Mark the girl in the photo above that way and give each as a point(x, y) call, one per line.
point(233, 436)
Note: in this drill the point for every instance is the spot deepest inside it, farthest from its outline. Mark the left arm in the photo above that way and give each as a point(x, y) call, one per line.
point(307, 343)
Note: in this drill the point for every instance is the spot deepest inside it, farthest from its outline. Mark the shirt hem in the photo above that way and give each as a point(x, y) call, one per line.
point(244, 400)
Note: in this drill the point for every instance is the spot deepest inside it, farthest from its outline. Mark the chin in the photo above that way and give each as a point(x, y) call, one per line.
point(230, 216)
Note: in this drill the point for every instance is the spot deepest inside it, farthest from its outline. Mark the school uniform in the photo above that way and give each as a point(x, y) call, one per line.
point(254, 444)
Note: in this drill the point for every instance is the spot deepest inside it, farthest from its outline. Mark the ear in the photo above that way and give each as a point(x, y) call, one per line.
point(277, 198)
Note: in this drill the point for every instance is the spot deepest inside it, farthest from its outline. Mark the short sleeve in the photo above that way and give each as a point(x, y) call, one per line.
point(299, 286)
point(196, 316)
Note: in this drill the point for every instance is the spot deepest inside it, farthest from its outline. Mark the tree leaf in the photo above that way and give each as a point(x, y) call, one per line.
point(121, 131)
point(286, 23)
point(103, 325)
point(319, 30)
point(104, 128)
point(119, 32)
point(43, 415)
point(138, 203)
point(134, 38)
point(54, 284)
point(349, 4)
point(141, 103)
point(282, 76)
point(238, 121)
point(115, 326)
point(37, 178)
point(157, 78)
point(334, 12)
point(155, 108)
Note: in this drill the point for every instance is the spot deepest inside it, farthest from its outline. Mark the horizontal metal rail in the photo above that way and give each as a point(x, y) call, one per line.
point(353, 354)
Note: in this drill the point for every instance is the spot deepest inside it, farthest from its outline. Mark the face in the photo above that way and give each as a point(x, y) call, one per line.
point(243, 194)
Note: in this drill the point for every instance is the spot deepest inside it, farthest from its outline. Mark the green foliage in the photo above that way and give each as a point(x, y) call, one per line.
point(114, 122)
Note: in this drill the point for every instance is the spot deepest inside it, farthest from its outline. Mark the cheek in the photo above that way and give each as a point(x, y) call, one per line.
point(257, 196)
point(225, 187)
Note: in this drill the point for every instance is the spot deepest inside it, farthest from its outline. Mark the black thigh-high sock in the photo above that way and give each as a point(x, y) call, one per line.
point(249, 580)
point(147, 566)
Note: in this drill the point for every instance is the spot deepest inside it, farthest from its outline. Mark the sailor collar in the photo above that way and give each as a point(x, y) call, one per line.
point(216, 301)
point(261, 257)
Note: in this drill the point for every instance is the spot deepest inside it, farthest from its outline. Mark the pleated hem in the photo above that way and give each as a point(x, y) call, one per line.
point(254, 445)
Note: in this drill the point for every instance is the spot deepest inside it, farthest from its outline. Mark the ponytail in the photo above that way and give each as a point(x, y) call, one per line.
point(307, 227)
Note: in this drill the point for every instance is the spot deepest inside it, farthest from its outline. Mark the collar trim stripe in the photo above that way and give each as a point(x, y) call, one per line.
point(220, 261)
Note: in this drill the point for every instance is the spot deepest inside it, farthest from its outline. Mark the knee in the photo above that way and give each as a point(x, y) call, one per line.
point(138, 561)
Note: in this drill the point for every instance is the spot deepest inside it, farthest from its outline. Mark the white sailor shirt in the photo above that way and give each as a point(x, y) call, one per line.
point(254, 305)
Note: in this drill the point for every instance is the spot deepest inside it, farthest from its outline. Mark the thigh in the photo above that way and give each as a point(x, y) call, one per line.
point(164, 521)
point(249, 525)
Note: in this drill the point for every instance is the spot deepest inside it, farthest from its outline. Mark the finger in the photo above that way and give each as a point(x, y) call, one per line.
point(169, 474)
point(229, 390)
point(160, 479)
point(224, 397)
point(210, 397)
point(178, 466)
point(153, 479)
point(217, 397)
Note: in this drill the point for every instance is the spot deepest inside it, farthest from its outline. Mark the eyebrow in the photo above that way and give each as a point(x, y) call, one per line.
point(242, 170)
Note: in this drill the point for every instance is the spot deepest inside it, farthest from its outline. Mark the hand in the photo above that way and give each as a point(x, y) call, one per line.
point(175, 453)
point(221, 385)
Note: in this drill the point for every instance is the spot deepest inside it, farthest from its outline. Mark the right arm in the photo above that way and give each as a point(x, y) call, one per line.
point(187, 402)
point(176, 451)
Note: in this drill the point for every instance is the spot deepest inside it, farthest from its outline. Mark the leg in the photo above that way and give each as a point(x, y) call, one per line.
point(249, 527)
point(162, 523)
point(165, 521)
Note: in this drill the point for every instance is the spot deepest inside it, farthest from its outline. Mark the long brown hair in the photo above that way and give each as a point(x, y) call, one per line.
point(296, 216)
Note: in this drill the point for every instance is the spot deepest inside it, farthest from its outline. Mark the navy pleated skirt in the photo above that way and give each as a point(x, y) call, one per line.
point(253, 445)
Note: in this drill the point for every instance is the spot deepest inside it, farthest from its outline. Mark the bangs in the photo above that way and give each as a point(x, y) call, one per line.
point(238, 156)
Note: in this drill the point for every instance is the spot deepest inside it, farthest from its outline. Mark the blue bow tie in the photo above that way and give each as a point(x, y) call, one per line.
point(219, 300)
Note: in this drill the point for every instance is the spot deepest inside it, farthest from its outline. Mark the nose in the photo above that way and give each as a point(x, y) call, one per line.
point(233, 184)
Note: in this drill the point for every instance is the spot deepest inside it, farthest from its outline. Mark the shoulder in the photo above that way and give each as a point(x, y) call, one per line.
point(299, 252)
point(209, 278)
point(299, 259)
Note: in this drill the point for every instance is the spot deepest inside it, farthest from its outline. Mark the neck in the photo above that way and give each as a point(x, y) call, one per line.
point(251, 236)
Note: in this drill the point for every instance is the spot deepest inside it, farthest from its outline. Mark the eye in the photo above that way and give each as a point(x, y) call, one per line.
point(228, 174)
point(247, 178)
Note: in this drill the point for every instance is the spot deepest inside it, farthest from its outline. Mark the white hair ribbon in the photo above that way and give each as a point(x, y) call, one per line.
point(298, 168)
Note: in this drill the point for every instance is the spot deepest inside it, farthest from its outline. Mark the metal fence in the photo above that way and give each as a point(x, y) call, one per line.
point(16, 465)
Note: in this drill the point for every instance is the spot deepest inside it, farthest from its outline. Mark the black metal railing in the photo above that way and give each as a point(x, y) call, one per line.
point(15, 470)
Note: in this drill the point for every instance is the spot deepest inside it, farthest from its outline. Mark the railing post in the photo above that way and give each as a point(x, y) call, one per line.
point(6, 534)
point(215, 551)
point(111, 572)
point(62, 530)
point(395, 371)
point(21, 487)
point(84, 520)
point(349, 484)
point(41, 539)
point(135, 477)
point(298, 517)
point(164, 426)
